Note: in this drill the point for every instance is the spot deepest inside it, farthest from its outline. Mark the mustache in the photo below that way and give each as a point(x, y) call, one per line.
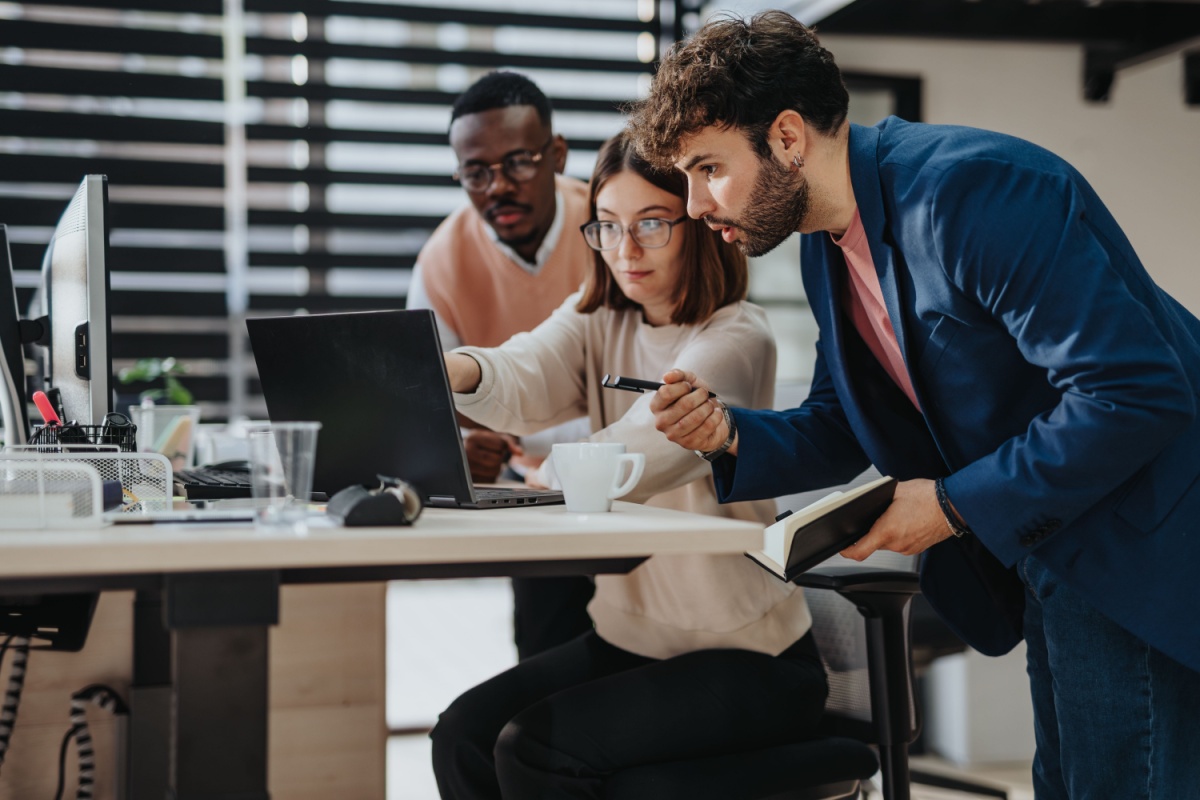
point(506, 205)
point(728, 223)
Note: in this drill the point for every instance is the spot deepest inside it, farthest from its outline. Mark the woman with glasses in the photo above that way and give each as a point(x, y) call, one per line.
point(692, 656)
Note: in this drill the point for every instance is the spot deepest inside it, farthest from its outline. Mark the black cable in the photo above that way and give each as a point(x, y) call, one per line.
point(62, 763)
point(107, 698)
point(12, 694)
point(3, 738)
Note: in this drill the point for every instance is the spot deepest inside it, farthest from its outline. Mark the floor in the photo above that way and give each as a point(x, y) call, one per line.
point(446, 636)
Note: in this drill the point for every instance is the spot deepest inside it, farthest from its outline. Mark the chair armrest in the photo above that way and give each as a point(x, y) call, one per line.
point(859, 579)
point(883, 597)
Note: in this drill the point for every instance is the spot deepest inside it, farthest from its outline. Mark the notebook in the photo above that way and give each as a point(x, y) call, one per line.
point(376, 381)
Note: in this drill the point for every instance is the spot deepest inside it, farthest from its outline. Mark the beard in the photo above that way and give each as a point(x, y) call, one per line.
point(520, 241)
point(780, 199)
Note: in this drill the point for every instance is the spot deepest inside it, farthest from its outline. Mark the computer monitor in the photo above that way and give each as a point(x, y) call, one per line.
point(73, 301)
point(13, 407)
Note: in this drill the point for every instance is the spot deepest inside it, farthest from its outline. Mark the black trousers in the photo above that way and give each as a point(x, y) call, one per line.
point(589, 720)
point(548, 612)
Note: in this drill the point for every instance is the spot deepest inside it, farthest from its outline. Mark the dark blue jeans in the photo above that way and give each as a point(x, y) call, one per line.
point(1113, 717)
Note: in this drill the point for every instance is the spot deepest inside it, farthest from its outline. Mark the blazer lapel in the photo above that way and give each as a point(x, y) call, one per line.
point(864, 177)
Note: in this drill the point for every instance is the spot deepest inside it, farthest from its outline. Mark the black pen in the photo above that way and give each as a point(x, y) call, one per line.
point(633, 384)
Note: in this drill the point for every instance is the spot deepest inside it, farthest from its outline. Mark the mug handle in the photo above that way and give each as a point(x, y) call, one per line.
point(637, 463)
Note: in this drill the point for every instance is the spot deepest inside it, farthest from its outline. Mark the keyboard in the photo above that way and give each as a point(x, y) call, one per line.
point(212, 483)
point(500, 493)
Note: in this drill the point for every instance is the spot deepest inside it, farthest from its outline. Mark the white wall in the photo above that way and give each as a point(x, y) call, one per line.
point(1140, 150)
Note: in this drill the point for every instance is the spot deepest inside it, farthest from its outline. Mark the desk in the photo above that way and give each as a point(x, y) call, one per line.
point(219, 589)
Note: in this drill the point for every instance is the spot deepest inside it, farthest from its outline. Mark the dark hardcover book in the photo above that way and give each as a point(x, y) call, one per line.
point(805, 538)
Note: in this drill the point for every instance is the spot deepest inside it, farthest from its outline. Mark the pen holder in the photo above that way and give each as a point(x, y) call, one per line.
point(73, 438)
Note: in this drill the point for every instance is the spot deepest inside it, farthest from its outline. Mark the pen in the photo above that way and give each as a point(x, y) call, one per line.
point(633, 384)
point(630, 384)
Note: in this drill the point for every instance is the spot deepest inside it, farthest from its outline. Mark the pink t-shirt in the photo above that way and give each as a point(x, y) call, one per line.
point(863, 301)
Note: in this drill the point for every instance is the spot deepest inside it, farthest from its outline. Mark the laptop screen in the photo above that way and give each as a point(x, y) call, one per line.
point(376, 381)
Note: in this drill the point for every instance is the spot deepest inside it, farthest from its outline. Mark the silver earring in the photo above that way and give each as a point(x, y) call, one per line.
point(798, 161)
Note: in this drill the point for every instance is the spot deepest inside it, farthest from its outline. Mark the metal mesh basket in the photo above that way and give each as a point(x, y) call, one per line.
point(84, 438)
point(146, 478)
point(37, 493)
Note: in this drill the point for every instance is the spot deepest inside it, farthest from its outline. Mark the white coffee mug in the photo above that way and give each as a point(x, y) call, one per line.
point(590, 474)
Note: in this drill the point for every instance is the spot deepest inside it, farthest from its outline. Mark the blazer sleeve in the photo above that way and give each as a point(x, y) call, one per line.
point(798, 450)
point(1025, 245)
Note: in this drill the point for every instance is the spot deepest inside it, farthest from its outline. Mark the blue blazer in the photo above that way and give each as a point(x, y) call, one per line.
point(1057, 383)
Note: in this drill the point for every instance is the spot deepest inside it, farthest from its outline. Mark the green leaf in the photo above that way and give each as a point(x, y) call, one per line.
point(147, 370)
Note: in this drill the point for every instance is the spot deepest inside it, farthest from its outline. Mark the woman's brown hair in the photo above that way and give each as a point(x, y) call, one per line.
point(714, 273)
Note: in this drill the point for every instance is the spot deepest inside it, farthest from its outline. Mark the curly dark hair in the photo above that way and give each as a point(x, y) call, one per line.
point(714, 273)
point(739, 74)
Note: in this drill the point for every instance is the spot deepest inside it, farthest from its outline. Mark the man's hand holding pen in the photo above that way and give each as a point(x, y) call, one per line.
point(687, 413)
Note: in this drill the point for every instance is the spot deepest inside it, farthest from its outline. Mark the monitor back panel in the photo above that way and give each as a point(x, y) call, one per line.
point(377, 382)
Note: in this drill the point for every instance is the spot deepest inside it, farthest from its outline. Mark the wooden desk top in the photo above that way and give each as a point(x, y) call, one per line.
point(440, 536)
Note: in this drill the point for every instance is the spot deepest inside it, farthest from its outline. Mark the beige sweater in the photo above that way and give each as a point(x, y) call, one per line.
point(481, 294)
point(670, 604)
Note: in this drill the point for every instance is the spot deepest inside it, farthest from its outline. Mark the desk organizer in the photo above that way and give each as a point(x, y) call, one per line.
point(30, 475)
point(37, 493)
point(122, 438)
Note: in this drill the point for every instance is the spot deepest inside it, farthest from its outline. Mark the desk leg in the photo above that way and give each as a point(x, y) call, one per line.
point(149, 700)
point(219, 626)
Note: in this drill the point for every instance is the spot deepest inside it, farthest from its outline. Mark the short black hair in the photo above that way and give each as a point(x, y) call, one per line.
point(501, 90)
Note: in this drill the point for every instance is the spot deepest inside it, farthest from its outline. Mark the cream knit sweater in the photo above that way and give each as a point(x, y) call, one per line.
point(670, 604)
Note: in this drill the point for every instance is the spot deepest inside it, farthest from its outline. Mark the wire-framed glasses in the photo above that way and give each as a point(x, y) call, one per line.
point(649, 232)
point(520, 166)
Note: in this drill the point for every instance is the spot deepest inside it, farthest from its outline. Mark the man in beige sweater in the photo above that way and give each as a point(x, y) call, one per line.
point(499, 267)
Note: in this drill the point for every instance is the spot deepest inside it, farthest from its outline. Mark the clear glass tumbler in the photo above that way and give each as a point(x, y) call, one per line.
point(282, 455)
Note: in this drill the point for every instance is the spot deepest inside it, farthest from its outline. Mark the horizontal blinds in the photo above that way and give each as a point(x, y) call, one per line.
point(135, 94)
point(371, 88)
point(348, 169)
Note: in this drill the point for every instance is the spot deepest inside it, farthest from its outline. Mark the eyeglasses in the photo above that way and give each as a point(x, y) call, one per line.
point(520, 166)
point(652, 232)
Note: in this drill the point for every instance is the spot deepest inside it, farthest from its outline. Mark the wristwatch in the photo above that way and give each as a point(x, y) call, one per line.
point(713, 455)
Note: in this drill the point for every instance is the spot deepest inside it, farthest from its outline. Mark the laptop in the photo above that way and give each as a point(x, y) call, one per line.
point(376, 381)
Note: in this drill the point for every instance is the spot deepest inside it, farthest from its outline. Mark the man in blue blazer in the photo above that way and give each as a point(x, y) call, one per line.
point(989, 337)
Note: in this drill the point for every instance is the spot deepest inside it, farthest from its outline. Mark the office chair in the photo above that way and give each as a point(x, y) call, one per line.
point(860, 621)
point(862, 625)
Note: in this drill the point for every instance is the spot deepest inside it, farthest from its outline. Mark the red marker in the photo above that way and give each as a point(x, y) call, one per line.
point(43, 404)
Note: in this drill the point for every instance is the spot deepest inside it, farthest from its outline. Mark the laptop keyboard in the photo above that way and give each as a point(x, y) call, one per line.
point(212, 483)
point(516, 495)
point(492, 493)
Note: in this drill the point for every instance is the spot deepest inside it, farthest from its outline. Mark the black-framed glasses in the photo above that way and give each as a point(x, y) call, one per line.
point(520, 166)
point(649, 232)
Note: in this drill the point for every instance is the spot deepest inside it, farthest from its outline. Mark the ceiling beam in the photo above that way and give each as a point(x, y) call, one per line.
point(1113, 34)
